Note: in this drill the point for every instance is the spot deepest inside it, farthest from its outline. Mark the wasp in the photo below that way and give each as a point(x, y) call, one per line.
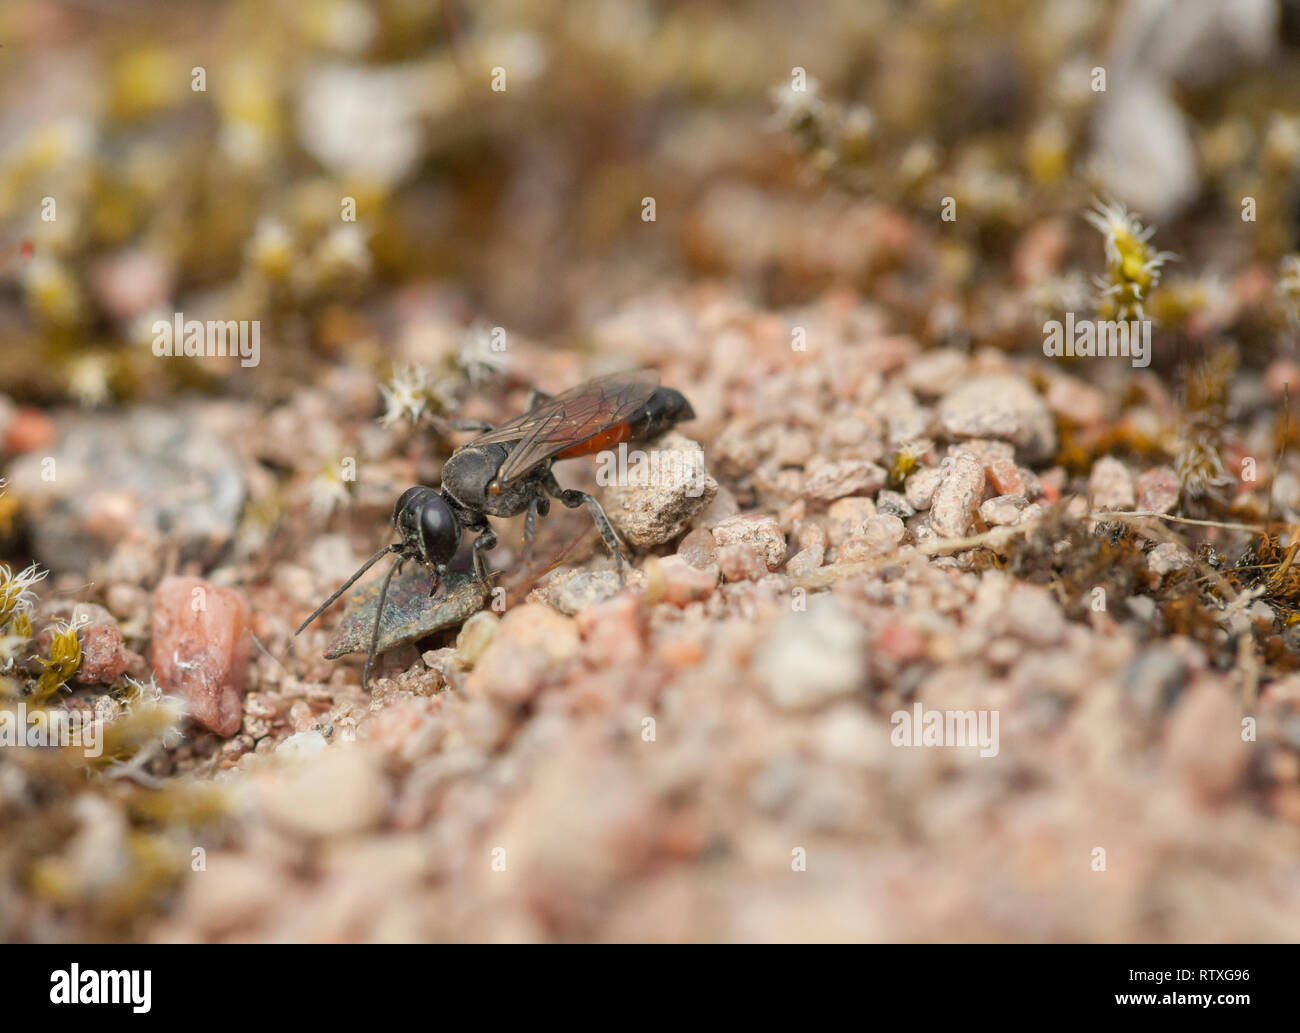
point(506, 471)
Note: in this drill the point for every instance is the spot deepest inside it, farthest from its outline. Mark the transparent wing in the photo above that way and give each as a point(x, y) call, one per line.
point(569, 419)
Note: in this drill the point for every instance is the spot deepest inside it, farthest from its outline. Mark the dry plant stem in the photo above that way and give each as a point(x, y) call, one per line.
point(995, 538)
point(1142, 514)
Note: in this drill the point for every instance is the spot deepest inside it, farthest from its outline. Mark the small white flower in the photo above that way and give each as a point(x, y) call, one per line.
point(794, 107)
point(88, 380)
point(406, 396)
point(325, 492)
point(476, 356)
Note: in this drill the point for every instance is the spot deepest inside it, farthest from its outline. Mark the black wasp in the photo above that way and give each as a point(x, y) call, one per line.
point(506, 471)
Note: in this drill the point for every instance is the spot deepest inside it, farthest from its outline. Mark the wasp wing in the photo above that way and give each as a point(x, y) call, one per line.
point(569, 419)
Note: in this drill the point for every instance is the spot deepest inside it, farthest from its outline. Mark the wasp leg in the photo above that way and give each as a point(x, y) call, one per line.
point(379, 613)
point(539, 506)
point(487, 539)
point(571, 498)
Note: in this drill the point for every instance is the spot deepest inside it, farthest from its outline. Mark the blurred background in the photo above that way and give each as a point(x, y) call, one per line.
point(199, 158)
point(384, 186)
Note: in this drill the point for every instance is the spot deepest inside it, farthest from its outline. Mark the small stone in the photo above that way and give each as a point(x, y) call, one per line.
point(301, 716)
point(761, 532)
point(573, 593)
point(894, 503)
point(1154, 680)
point(805, 561)
point(474, 636)
point(615, 632)
point(654, 500)
point(883, 532)
point(847, 518)
point(932, 373)
point(999, 405)
point(1031, 612)
point(900, 642)
point(698, 548)
point(1080, 403)
point(329, 792)
point(1006, 478)
point(1158, 490)
point(1167, 557)
point(144, 477)
point(921, 486)
point(810, 532)
point(1204, 741)
point(953, 507)
point(1030, 513)
point(1111, 485)
point(533, 645)
point(857, 549)
point(104, 657)
point(741, 562)
point(826, 480)
point(684, 584)
point(29, 430)
point(813, 656)
point(1003, 510)
point(985, 450)
point(201, 649)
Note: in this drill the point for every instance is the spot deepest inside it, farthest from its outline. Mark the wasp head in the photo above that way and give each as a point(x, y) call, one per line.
point(429, 529)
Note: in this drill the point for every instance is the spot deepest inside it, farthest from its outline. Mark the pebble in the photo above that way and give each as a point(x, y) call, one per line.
point(1003, 510)
point(144, 477)
point(1158, 490)
point(847, 518)
point(741, 562)
point(679, 487)
point(682, 583)
point(1110, 485)
point(615, 632)
point(883, 532)
point(920, 487)
point(698, 548)
point(1080, 403)
point(1006, 478)
point(330, 792)
point(29, 430)
point(573, 594)
point(813, 656)
point(474, 637)
point(895, 504)
point(104, 656)
point(533, 644)
point(1000, 406)
point(1167, 557)
point(1203, 742)
point(826, 480)
point(952, 509)
point(201, 649)
point(761, 532)
point(805, 561)
point(933, 373)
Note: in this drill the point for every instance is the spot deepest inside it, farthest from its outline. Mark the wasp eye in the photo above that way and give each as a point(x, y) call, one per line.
point(439, 530)
point(494, 488)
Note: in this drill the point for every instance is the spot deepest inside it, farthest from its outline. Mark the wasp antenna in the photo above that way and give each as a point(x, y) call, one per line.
point(348, 584)
point(379, 613)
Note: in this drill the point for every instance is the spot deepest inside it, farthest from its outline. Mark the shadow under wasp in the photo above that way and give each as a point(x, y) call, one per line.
point(506, 471)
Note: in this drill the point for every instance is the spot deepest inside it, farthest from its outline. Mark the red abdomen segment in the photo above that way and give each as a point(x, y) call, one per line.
point(607, 438)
